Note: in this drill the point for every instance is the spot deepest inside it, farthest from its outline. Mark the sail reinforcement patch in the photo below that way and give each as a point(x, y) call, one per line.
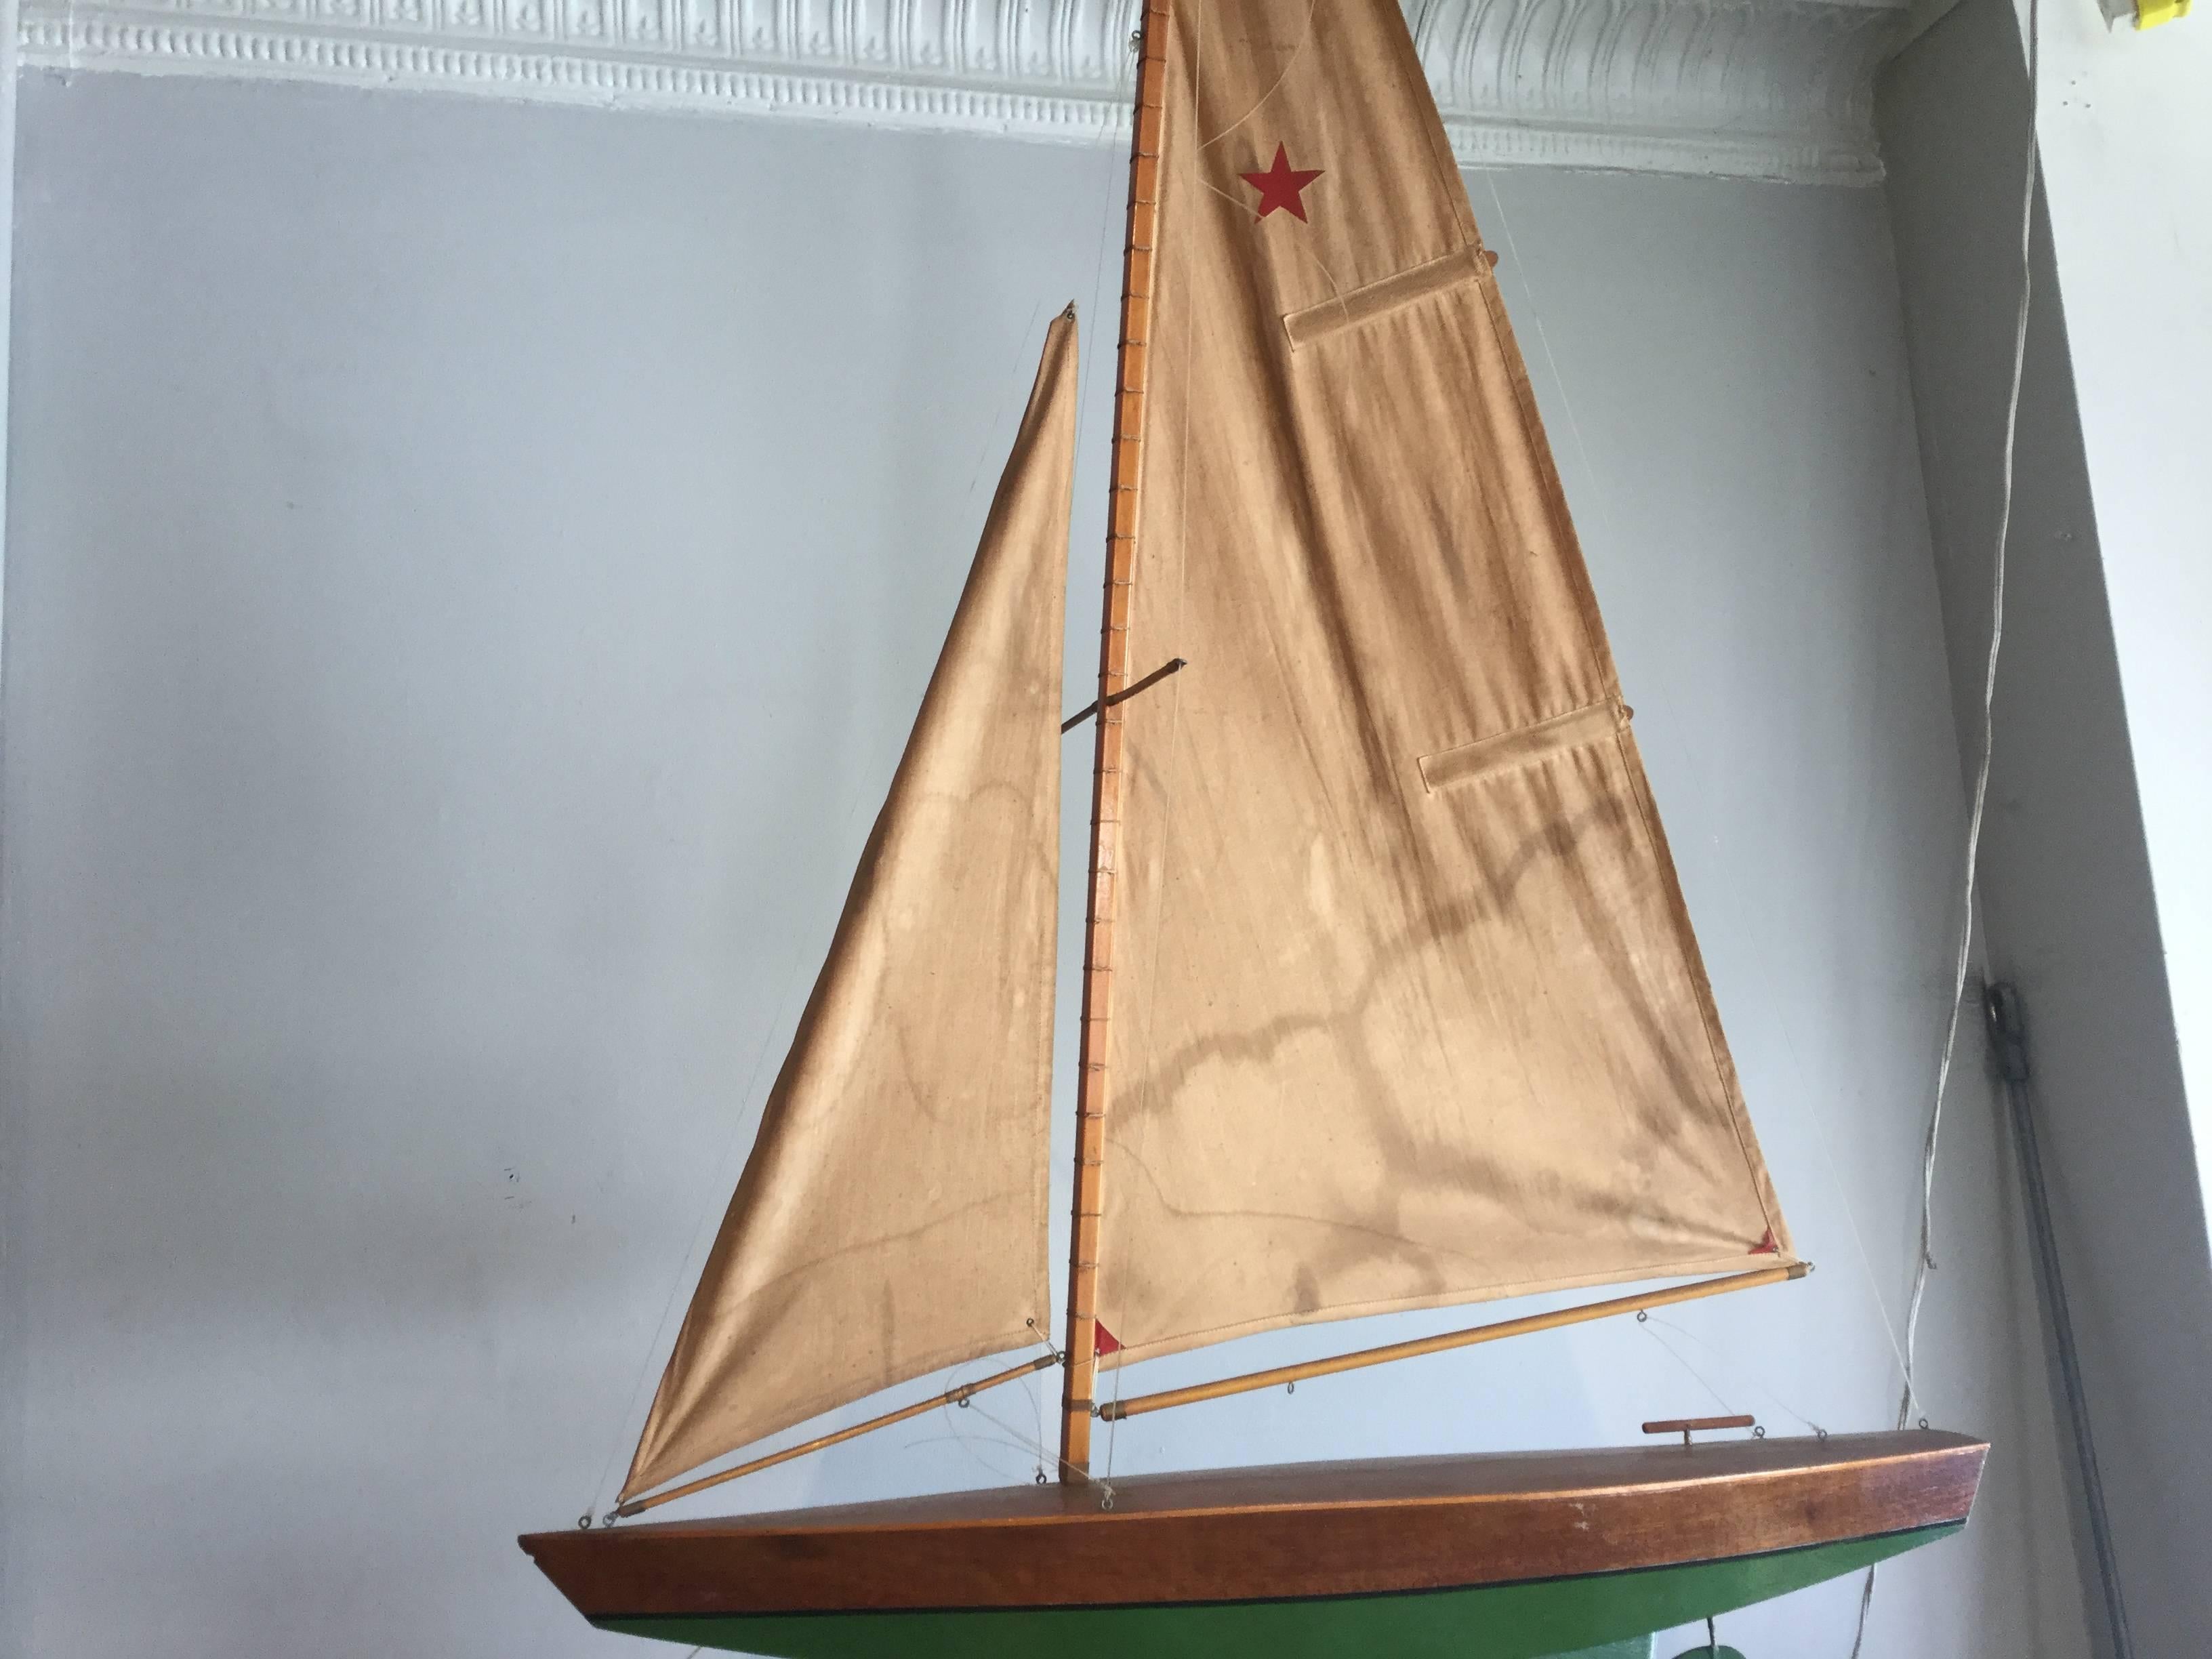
point(1509, 751)
point(1364, 305)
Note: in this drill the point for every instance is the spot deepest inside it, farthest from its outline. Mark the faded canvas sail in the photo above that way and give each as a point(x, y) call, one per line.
point(891, 1219)
point(1409, 1011)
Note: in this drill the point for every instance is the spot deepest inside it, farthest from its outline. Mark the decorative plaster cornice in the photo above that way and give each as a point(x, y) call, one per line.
point(1771, 88)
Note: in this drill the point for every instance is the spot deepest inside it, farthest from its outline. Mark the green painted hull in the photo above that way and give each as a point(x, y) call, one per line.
point(1533, 1620)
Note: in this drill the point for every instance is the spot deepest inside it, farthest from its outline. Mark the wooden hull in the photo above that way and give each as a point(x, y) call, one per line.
point(1504, 1556)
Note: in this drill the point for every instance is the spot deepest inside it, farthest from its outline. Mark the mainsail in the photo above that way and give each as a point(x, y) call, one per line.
point(1407, 1008)
point(891, 1219)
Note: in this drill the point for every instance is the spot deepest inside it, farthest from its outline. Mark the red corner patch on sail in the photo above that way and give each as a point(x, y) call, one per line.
point(1766, 1246)
point(1106, 1343)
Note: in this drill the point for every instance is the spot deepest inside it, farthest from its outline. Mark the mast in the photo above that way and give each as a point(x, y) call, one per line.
point(1107, 776)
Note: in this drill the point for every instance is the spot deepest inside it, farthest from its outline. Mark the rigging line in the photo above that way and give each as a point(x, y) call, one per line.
point(1008, 1438)
point(1114, 1428)
point(1925, 1262)
point(984, 456)
point(1009, 1435)
point(1748, 1377)
point(1866, 1275)
point(1544, 338)
point(823, 1441)
point(1704, 1382)
point(1037, 1399)
point(1582, 448)
point(721, 1166)
point(1034, 1447)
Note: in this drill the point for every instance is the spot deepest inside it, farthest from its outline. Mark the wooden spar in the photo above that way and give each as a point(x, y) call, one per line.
point(1686, 1426)
point(1107, 773)
point(1173, 664)
point(1115, 1411)
point(958, 1396)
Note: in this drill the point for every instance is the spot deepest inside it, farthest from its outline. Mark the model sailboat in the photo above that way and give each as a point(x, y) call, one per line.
point(1390, 997)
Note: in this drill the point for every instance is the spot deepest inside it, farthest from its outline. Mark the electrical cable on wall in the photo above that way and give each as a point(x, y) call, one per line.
point(1924, 1260)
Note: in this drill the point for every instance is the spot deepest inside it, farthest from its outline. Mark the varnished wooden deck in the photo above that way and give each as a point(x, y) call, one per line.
point(1288, 1532)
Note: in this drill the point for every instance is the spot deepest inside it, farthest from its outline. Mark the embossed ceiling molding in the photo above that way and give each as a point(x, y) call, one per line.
point(1772, 89)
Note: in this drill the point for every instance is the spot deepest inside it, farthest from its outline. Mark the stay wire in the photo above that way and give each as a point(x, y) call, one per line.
point(708, 1217)
point(1749, 1378)
point(1589, 469)
point(1675, 1354)
point(1924, 1263)
point(790, 976)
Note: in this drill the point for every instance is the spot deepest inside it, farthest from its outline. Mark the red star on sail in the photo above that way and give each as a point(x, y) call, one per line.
point(1281, 185)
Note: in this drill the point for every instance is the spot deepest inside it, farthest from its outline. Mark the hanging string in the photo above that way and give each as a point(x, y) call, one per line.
point(1924, 1263)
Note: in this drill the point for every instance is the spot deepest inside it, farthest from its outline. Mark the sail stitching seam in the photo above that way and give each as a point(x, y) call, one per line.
point(1289, 63)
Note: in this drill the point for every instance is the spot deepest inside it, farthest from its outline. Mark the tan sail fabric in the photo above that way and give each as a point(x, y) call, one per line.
point(892, 1217)
point(1407, 1009)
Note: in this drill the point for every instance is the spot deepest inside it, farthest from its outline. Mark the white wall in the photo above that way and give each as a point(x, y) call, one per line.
point(471, 571)
point(2126, 126)
point(13, 1331)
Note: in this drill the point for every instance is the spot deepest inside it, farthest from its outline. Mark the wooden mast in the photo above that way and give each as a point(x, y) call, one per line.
point(1091, 1089)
